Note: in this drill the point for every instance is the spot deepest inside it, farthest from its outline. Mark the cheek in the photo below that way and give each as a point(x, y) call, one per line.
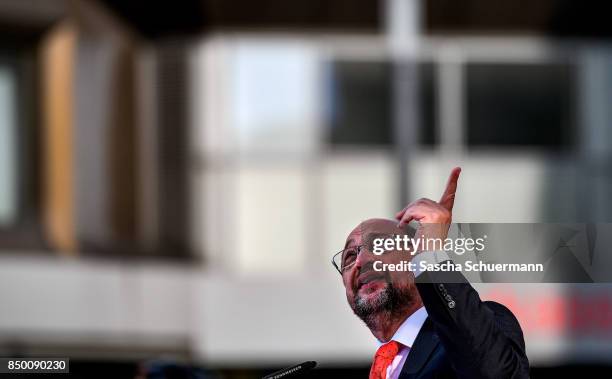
point(402, 279)
point(348, 289)
point(396, 277)
point(394, 257)
point(350, 297)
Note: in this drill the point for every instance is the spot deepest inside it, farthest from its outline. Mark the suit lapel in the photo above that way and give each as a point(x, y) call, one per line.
point(424, 344)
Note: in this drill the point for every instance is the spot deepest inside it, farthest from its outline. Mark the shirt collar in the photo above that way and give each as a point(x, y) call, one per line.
point(407, 332)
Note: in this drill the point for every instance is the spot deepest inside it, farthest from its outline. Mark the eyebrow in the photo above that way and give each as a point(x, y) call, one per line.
point(349, 242)
point(370, 237)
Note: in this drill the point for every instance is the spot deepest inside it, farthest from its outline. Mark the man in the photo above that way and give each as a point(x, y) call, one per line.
point(434, 326)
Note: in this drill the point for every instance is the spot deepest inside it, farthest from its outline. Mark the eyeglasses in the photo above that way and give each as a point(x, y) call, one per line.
point(346, 258)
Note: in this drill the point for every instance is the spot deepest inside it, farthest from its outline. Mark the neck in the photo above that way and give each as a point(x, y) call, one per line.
point(383, 325)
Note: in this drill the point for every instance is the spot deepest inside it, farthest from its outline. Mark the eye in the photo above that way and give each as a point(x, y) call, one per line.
point(349, 255)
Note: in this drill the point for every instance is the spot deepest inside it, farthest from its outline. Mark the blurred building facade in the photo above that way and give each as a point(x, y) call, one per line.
point(170, 188)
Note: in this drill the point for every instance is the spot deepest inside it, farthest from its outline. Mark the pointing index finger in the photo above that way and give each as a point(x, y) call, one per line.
point(448, 197)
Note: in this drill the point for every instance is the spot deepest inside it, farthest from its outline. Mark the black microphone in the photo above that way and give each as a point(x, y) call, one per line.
point(293, 370)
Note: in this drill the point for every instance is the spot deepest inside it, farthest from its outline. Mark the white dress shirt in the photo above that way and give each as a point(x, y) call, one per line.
point(405, 334)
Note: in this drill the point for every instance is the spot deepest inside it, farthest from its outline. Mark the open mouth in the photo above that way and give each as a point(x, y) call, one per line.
point(369, 277)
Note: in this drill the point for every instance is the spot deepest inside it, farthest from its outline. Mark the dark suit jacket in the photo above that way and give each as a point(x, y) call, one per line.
point(464, 337)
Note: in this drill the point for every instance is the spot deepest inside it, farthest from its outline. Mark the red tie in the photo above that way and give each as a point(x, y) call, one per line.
point(383, 358)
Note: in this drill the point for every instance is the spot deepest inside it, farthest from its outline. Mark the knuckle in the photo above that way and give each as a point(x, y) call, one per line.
point(445, 214)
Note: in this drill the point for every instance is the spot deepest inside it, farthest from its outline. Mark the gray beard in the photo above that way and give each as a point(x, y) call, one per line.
point(389, 303)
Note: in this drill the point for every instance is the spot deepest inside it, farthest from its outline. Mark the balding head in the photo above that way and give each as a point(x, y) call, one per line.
point(376, 226)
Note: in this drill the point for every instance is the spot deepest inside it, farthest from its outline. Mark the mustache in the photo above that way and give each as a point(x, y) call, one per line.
point(369, 266)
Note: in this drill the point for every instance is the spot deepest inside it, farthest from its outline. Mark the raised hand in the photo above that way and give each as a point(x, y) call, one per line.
point(434, 217)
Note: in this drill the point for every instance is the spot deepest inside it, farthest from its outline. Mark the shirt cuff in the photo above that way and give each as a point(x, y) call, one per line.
point(430, 257)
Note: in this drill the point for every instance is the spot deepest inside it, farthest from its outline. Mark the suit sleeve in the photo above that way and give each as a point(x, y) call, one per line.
point(482, 339)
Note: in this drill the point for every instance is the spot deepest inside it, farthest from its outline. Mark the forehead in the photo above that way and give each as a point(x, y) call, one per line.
point(372, 227)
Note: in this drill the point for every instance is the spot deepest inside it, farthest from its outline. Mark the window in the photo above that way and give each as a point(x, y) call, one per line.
point(19, 192)
point(8, 158)
point(516, 105)
point(359, 103)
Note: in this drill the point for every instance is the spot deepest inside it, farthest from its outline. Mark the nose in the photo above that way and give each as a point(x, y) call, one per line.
point(363, 257)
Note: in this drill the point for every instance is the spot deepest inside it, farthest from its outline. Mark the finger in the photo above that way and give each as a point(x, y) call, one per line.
point(413, 212)
point(404, 221)
point(448, 197)
point(418, 203)
point(398, 215)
